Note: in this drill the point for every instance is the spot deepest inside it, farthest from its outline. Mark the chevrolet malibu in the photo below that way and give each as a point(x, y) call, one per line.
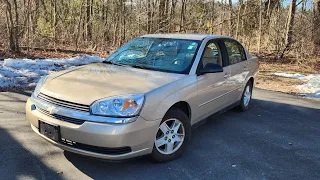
point(144, 98)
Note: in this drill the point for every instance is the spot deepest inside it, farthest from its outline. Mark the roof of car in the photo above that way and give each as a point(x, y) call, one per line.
point(184, 36)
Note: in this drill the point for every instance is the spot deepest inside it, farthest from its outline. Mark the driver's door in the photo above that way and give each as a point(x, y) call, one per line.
point(212, 87)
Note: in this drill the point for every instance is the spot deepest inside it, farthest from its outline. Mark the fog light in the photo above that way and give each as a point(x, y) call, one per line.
point(33, 107)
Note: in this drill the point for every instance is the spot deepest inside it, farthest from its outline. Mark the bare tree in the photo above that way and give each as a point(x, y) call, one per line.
point(182, 15)
point(316, 27)
point(290, 24)
point(88, 20)
point(264, 26)
point(12, 25)
point(231, 18)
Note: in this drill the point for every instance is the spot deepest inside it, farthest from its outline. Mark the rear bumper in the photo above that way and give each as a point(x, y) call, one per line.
point(138, 135)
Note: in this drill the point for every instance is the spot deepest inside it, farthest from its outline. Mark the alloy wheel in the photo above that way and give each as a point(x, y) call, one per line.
point(170, 136)
point(247, 96)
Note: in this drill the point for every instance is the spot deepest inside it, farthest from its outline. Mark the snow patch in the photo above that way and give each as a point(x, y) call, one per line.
point(288, 75)
point(311, 88)
point(27, 72)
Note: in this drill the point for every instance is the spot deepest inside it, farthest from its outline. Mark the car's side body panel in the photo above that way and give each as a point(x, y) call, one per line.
point(212, 94)
point(237, 80)
point(161, 99)
point(213, 88)
point(205, 94)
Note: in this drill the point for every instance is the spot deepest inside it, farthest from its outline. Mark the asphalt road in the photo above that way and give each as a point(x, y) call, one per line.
point(278, 138)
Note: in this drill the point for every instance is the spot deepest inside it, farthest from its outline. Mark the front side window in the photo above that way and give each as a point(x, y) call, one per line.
point(162, 54)
point(211, 54)
point(235, 51)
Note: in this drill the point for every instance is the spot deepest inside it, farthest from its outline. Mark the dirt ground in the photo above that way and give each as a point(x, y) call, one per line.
point(276, 83)
point(267, 80)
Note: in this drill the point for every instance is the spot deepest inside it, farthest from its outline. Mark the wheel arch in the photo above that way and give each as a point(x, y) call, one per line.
point(184, 106)
point(251, 79)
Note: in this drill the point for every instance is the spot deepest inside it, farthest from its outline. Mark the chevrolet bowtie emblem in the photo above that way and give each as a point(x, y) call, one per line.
point(51, 109)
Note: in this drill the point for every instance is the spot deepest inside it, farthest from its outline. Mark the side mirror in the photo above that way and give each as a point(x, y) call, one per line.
point(211, 68)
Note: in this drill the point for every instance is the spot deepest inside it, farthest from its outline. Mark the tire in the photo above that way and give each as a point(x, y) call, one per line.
point(246, 97)
point(172, 140)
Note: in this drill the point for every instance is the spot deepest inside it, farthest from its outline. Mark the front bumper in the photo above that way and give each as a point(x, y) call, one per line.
point(138, 135)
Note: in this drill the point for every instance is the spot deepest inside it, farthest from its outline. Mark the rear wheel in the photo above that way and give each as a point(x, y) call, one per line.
point(246, 97)
point(172, 136)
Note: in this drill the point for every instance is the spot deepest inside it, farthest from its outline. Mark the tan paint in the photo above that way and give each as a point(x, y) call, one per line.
point(97, 81)
point(205, 94)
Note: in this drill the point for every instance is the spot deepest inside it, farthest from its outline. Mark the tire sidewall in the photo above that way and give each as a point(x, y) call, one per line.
point(183, 118)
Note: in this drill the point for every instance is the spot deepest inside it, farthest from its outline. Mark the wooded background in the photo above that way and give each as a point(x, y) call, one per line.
point(280, 28)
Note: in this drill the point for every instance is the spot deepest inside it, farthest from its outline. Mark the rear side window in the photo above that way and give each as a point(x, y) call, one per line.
point(235, 52)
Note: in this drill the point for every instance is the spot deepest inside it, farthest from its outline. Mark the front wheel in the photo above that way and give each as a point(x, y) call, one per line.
point(172, 136)
point(246, 97)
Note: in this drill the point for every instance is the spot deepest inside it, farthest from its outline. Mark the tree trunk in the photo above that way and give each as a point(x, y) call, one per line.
point(103, 11)
point(16, 37)
point(212, 16)
point(260, 25)
point(161, 15)
point(231, 19)
point(79, 25)
point(54, 22)
point(316, 28)
point(290, 23)
point(182, 15)
point(149, 16)
point(12, 26)
point(238, 18)
point(123, 17)
point(172, 15)
point(89, 21)
point(28, 25)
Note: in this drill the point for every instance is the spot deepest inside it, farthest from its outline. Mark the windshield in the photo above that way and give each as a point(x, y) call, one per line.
point(161, 54)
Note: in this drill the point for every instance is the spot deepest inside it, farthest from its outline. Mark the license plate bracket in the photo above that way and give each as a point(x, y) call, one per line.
point(50, 131)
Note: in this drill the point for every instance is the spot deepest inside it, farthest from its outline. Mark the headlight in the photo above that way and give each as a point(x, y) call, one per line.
point(39, 85)
point(120, 106)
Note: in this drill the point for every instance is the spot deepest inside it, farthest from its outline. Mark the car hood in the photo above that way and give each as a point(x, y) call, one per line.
point(89, 83)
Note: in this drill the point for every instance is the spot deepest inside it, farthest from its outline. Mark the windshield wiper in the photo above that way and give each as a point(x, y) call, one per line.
point(110, 62)
point(107, 62)
point(127, 65)
point(141, 67)
point(138, 66)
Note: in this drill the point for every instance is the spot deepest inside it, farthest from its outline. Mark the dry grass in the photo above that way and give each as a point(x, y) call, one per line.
point(270, 63)
point(287, 67)
point(276, 83)
point(266, 80)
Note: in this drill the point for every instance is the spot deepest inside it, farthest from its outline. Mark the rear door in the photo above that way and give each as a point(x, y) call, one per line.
point(212, 87)
point(237, 61)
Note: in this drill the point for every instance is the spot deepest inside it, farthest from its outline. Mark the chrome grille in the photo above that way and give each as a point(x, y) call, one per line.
point(62, 103)
point(61, 118)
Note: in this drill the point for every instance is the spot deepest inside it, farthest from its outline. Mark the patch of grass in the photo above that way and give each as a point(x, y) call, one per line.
point(286, 67)
point(276, 83)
